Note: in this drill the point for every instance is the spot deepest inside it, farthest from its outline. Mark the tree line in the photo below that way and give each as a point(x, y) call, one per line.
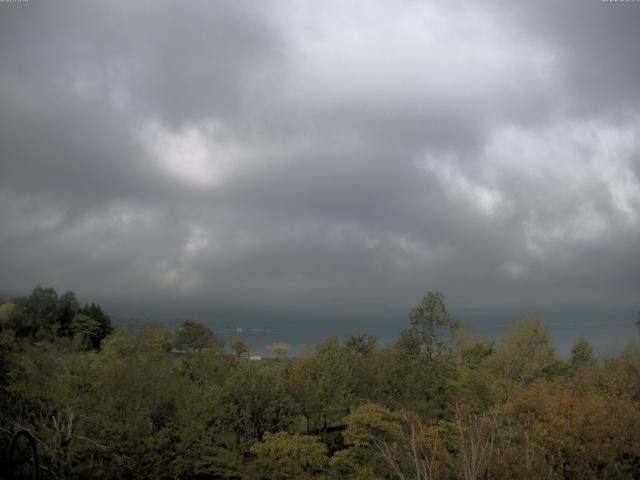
point(437, 403)
point(46, 316)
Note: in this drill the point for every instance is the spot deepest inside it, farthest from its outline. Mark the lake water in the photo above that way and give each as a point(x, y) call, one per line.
point(608, 329)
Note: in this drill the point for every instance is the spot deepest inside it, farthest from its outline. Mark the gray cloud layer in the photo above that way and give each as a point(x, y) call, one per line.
point(314, 154)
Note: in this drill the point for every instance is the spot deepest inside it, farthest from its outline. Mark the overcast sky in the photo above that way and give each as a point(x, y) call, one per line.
point(321, 154)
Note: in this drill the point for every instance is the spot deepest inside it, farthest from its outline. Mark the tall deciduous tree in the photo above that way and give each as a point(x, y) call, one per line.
point(34, 316)
point(94, 311)
point(427, 351)
point(256, 401)
point(582, 355)
point(85, 330)
point(67, 309)
point(526, 353)
point(432, 329)
point(334, 380)
point(194, 336)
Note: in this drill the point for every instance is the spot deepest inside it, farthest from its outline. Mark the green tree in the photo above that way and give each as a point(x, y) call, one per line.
point(7, 364)
point(323, 385)
point(94, 311)
point(582, 355)
point(387, 371)
point(371, 423)
point(472, 351)
point(281, 456)
point(6, 310)
point(125, 343)
point(301, 385)
point(206, 368)
point(256, 402)
point(194, 336)
point(197, 442)
point(85, 331)
point(34, 316)
point(361, 345)
point(67, 309)
point(526, 352)
point(622, 372)
point(44, 315)
point(137, 394)
point(333, 377)
point(427, 373)
point(363, 353)
point(432, 329)
point(387, 444)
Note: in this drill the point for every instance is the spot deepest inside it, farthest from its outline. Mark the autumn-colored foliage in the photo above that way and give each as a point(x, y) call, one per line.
point(438, 403)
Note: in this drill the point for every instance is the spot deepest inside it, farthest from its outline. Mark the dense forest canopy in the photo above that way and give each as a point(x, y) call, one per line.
point(437, 403)
point(46, 316)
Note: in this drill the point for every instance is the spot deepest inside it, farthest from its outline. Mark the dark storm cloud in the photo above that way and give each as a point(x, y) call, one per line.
point(293, 154)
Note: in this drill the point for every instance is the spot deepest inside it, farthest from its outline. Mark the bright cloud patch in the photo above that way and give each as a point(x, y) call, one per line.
point(571, 182)
point(393, 54)
point(200, 155)
point(584, 171)
point(459, 186)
